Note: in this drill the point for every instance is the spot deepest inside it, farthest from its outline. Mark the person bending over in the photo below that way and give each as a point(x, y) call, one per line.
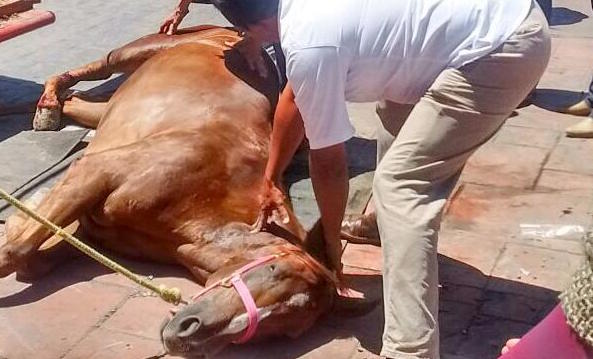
point(446, 73)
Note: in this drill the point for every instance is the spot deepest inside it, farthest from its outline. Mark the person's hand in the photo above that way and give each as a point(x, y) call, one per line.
point(333, 247)
point(251, 49)
point(272, 208)
point(344, 287)
point(172, 21)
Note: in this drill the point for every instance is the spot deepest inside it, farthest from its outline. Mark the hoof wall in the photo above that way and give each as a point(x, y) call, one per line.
point(47, 119)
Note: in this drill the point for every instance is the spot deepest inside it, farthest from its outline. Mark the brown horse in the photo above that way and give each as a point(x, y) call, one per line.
point(175, 175)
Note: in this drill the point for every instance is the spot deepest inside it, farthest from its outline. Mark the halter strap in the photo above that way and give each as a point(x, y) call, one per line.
point(237, 282)
point(250, 306)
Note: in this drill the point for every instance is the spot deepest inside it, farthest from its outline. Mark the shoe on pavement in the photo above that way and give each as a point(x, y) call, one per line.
point(583, 129)
point(361, 229)
point(582, 108)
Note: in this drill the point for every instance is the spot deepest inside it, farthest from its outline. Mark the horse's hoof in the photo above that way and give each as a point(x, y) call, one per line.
point(33, 270)
point(47, 119)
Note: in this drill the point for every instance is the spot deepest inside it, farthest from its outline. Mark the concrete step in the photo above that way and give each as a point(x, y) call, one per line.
point(10, 7)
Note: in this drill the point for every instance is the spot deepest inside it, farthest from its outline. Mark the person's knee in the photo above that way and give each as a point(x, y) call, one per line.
point(393, 174)
point(381, 183)
point(407, 208)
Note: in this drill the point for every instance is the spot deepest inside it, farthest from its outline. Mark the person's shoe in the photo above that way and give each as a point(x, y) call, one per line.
point(582, 108)
point(583, 129)
point(361, 229)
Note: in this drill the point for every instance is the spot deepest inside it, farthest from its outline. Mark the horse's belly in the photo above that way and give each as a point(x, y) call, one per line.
point(189, 141)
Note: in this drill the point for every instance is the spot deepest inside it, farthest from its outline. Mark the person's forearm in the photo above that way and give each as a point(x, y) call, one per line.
point(329, 174)
point(287, 134)
point(183, 6)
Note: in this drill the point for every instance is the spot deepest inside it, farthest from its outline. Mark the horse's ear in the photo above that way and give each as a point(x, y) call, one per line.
point(315, 244)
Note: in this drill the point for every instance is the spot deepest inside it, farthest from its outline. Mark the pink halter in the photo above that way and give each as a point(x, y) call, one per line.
point(237, 282)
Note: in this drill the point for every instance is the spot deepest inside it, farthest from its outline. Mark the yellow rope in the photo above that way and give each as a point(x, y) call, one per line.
point(170, 295)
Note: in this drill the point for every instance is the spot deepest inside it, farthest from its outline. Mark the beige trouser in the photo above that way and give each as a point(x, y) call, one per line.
point(422, 150)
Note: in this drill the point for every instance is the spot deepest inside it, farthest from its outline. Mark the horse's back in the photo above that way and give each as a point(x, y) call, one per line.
point(185, 88)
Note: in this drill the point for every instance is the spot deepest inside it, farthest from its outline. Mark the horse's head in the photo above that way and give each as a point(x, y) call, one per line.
point(290, 291)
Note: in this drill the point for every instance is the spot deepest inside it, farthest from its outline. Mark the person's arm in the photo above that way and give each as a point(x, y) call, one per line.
point(171, 22)
point(287, 134)
point(328, 170)
point(318, 79)
point(329, 174)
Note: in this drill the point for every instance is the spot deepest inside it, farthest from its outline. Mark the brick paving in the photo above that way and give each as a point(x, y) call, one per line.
point(495, 281)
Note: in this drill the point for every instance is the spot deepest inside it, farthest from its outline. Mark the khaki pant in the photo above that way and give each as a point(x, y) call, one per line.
point(422, 150)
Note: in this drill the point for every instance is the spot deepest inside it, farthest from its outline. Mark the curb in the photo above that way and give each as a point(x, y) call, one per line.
point(25, 22)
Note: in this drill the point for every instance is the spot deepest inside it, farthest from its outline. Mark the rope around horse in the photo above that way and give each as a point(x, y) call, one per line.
point(169, 295)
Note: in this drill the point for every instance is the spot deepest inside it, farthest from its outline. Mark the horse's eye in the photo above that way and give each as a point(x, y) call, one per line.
point(272, 267)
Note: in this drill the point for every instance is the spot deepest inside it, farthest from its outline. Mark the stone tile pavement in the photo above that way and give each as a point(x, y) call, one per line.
point(498, 276)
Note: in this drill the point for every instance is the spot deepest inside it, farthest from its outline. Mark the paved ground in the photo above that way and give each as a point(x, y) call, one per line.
point(498, 277)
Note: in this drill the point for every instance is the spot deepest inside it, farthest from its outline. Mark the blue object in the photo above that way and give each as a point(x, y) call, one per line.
point(546, 6)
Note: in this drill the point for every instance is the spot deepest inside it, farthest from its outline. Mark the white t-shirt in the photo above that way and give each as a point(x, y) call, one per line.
point(369, 50)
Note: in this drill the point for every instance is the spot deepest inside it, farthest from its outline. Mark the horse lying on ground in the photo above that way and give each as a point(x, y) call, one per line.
point(174, 174)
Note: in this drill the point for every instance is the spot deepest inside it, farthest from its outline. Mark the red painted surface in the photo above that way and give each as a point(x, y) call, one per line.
point(25, 22)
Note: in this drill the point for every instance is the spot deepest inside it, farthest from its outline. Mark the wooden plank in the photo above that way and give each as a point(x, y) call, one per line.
point(23, 22)
point(9, 7)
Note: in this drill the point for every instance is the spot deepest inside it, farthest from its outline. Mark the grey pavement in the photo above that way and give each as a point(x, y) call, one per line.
point(83, 31)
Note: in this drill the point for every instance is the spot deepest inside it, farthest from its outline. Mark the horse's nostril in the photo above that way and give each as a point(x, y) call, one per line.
point(188, 327)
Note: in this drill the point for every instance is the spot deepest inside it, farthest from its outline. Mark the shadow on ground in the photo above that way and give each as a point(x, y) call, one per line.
point(555, 99)
point(464, 320)
point(17, 105)
point(362, 154)
point(564, 16)
point(18, 94)
point(18, 100)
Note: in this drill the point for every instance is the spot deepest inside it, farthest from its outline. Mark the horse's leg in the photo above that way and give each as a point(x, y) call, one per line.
point(53, 251)
point(125, 59)
point(187, 256)
point(49, 107)
point(87, 182)
point(85, 112)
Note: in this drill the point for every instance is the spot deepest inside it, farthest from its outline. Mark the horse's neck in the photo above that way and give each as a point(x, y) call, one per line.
point(312, 242)
point(236, 243)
